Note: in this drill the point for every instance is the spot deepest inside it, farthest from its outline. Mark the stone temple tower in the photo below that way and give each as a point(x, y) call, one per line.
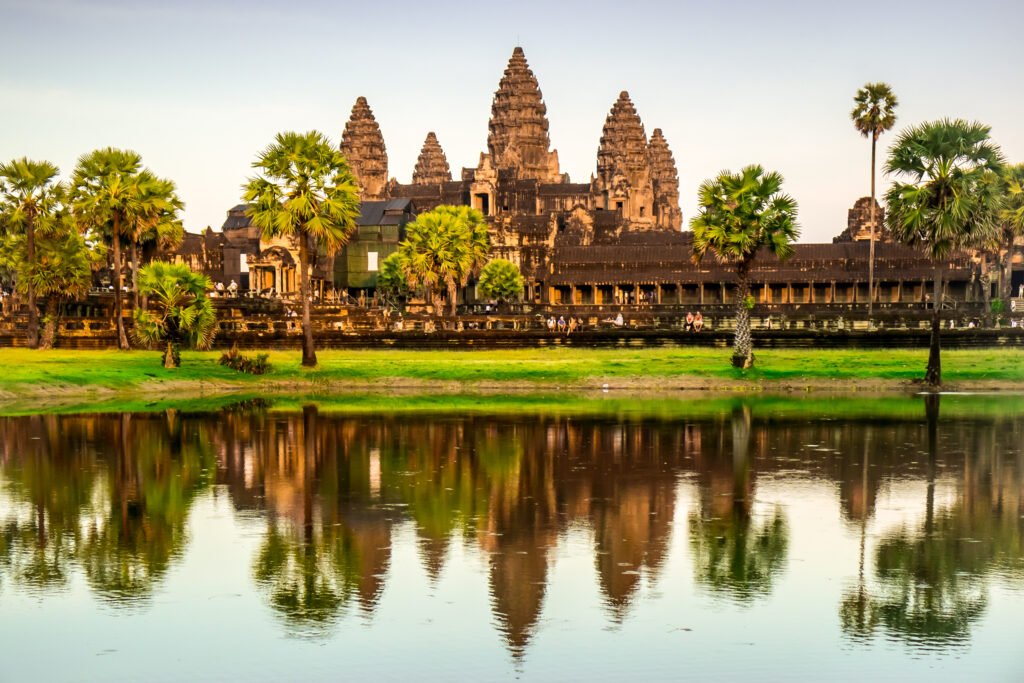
point(624, 180)
point(363, 146)
point(432, 166)
point(518, 132)
point(667, 213)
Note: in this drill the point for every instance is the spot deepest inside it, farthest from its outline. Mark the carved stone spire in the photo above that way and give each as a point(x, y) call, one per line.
point(666, 183)
point(432, 166)
point(363, 146)
point(518, 131)
point(623, 168)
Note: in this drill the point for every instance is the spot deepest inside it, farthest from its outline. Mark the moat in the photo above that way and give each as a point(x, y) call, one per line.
point(745, 539)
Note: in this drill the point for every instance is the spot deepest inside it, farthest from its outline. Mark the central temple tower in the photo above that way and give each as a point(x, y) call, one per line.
point(517, 136)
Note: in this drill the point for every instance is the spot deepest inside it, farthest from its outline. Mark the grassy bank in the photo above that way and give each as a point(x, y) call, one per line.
point(81, 376)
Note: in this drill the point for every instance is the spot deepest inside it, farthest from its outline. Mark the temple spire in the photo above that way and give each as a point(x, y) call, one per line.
point(623, 168)
point(432, 165)
point(518, 131)
point(363, 145)
point(665, 179)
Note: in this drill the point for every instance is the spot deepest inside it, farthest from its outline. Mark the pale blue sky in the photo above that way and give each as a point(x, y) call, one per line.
point(198, 88)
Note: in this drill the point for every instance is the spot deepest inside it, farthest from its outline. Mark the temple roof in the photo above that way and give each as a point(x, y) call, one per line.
point(385, 212)
point(669, 260)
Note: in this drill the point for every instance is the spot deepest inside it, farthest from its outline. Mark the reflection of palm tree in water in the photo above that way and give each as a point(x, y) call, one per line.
point(734, 555)
point(312, 566)
point(934, 581)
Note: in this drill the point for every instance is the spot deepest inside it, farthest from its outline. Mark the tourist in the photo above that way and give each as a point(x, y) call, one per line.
point(572, 326)
point(579, 324)
point(698, 322)
point(619, 321)
point(1020, 291)
point(233, 288)
point(219, 289)
point(561, 324)
point(551, 324)
point(689, 321)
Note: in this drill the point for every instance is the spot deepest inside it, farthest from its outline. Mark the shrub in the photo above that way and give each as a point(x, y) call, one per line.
point(236, 360)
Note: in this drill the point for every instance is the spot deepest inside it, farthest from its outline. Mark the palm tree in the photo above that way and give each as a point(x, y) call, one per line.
point(446, 246)
point(740, 214)
point(947, 203)
point(306, 192)
point(155, 219)
point(105, 195)
point(874, 113)
point(1010, 227)
point(62, 271)
point(177, 310)
point(29, 198)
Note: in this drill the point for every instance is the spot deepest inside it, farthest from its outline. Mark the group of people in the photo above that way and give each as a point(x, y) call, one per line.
point(230, 290)
point(694, 323)
point(564, 326)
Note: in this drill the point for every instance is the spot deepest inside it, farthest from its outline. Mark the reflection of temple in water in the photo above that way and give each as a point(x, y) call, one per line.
point(332, 491)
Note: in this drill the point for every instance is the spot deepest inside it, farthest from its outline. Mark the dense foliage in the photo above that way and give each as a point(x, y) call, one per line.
point(178, 310)
point(501, 280)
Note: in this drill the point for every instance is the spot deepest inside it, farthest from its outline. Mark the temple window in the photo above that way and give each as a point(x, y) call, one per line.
point(371, 261)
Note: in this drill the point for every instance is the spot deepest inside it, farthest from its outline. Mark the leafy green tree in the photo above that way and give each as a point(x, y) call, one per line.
point(178, 311)
point(944, 202)
point(30, 196)
point(874, 113)
point(740, 214)
point(306, 192)
point(444, 247)
point(106, 191)
point(391, 284)
point(502, 281)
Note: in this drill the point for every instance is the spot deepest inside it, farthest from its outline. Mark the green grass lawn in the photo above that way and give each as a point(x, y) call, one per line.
point(24, 371)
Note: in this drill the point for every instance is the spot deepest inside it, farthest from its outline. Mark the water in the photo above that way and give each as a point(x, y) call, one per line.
point(751, 541)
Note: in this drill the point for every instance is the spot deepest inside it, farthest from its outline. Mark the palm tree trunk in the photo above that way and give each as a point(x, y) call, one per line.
point(52, 318)
point(169, 360)
point(135, 274)
point(742, 354)
point(453, 294)
point(308, 350)
point(871, 249)
point(933, 375)
point(985, 282)
point(122, 337)
point(1006, 276)
point(33, 309)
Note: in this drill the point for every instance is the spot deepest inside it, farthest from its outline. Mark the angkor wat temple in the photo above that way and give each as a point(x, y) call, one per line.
point(616, 239)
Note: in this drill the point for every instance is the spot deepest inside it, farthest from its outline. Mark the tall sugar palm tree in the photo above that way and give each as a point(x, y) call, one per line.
point(446, 246)
point(62, 271)
point(874, 112)
point(30, 196)
point(943, 200)
point(178, 310)
point(156, 218)
point(105, 196)
point(1010, 225)
point(306, 191)
point(740, 214)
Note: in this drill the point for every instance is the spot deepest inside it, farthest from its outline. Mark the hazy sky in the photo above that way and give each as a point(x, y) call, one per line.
point(198, 87)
